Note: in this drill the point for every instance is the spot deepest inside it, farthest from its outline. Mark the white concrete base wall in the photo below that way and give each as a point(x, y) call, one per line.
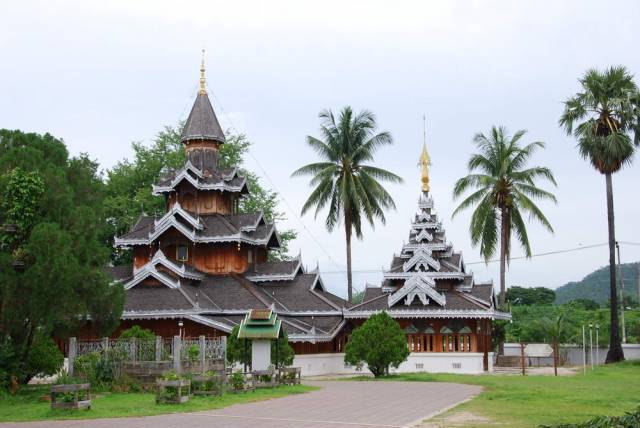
point(450, 362)
point(260, 354)
point(574, 356)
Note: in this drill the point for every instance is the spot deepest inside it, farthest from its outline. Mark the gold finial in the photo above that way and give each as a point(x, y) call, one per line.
point(203, 82)
point(425, 160)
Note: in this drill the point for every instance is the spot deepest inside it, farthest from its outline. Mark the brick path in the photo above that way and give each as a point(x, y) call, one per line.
point(338, 404)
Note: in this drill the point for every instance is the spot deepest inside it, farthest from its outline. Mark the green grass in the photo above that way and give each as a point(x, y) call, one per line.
point(529, 401)
point(28, 406)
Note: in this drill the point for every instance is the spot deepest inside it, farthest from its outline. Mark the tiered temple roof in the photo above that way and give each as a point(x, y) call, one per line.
point(226, 270)
point(428, 278)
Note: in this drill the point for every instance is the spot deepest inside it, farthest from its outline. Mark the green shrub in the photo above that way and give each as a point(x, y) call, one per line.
point(379, 342)
point(628, 420)
point(193, 353)
point(236, 380)
point(137, 332)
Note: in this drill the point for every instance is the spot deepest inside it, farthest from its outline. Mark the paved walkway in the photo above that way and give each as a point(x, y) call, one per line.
point(338, 404)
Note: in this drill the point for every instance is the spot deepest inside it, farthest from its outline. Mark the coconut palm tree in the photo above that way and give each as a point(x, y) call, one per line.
point(342, 180)
point(503, 188)
point(602, 117)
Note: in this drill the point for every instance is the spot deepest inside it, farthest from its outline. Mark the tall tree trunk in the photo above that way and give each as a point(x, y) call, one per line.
point(615, 352)
point(555, 357)
point(504, 232)
point(347, 227)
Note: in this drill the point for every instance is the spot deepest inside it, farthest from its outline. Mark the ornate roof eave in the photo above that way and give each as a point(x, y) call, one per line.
point(428, 225)
point(431, 246)
point(425, 288)
point(276, 277)
point(421, 257)
point(193, 237)
point(180, 270)
point(317, 337)
point(435, 313)
point(184, 175)
point(177, 209)
point(167, 313)
point(149, 270)
point(433, 275)
point(253, 227)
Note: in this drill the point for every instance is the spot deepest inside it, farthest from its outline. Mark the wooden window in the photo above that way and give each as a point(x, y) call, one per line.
point(182, 253)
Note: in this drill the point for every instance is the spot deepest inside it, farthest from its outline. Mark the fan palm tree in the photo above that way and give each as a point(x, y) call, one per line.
point(503, 188)
point(602, 118)
point(342, 180)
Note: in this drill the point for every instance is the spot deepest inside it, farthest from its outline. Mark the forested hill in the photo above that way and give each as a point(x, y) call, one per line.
point(595, 286)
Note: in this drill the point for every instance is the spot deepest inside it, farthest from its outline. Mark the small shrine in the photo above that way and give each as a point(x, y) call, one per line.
point(261, 326)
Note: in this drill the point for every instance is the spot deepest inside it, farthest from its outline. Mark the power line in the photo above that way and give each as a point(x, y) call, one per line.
point(273, 185)
point(548, 253)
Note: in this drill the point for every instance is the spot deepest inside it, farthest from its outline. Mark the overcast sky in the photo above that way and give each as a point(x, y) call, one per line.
point(103, 74)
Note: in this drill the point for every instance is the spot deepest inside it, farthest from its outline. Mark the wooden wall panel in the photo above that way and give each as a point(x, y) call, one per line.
point(202, 202)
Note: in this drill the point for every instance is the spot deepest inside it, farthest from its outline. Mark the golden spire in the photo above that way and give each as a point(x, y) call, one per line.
point(425, 160)
point(203, 82)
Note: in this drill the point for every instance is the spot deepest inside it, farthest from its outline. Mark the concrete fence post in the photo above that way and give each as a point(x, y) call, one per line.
point(72, 354)
point(105, 344)
point(223, 344)
point(203, 348)
point(158, 348)
point(177, 348)
point(133, 349)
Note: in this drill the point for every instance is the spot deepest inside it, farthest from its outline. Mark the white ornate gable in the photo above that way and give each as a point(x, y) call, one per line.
point(421, 258)
point(418, 286)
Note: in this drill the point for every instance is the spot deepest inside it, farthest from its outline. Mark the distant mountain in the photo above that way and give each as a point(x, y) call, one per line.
point(595, 286)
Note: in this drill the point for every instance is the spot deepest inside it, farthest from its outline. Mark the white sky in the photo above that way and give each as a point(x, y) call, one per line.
point(103, 74)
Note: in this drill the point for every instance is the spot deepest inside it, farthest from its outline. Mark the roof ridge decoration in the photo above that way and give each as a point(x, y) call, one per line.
point(150, 270)
point(421, 258)
point(417, 286)
point(202, 123)
point(195, 182)
point(177, 209)
point(180, 270)
point(424, 236)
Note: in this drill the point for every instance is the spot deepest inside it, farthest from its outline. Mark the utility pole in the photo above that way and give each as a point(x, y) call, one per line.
point(624, 330)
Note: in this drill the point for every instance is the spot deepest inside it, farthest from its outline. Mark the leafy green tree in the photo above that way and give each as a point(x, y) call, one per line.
point(602, 117)
point(530, 296)
point(504, 187)
point(129, 185)
point(240, 353)
point(137, 332)
point(57, 283)
point(586, 304)
point(343, 181)
point(380, 343)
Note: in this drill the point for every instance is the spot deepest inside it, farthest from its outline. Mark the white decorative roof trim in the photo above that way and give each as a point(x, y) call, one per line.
point(420, 287)
point(428, 225)
point(180, 270)
point(184, 175)
point(430, 245)
point(210, 323)
point(193, 237)
point(177, 209)
point(423, 236)
point(422, 257)
point(434, 275)
point(434, 313)
point(425, 201)
point(316, 337)
point(149, 270)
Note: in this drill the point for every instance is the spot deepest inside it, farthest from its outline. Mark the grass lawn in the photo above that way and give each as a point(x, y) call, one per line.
point(528, 401)
point(27, 405)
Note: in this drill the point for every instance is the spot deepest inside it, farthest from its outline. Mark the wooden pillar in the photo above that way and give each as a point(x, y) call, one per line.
point(485, 350)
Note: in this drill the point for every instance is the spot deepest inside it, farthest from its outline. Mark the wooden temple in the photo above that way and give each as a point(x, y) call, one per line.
point(203, 265)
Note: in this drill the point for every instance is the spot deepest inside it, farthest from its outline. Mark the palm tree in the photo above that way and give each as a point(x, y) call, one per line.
point(342, 181)
point(601, 117)
point(503, 189)
point(557, 330)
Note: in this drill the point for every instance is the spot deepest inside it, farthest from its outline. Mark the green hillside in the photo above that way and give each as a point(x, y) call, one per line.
point(595, 286)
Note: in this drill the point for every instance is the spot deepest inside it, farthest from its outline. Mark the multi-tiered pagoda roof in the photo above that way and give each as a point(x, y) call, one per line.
point(428, 278)
point(205, 261)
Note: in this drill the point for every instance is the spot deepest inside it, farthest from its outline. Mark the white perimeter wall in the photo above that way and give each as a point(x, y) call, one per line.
point(441, 362)
point(574, 354)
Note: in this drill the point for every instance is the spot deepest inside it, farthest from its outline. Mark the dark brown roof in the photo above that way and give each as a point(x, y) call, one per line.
point(375, 300)
point(275, 268)
point(296, 295)
point(154, 298)
point(215, 226)
point(202, 123)
point(120, 273)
